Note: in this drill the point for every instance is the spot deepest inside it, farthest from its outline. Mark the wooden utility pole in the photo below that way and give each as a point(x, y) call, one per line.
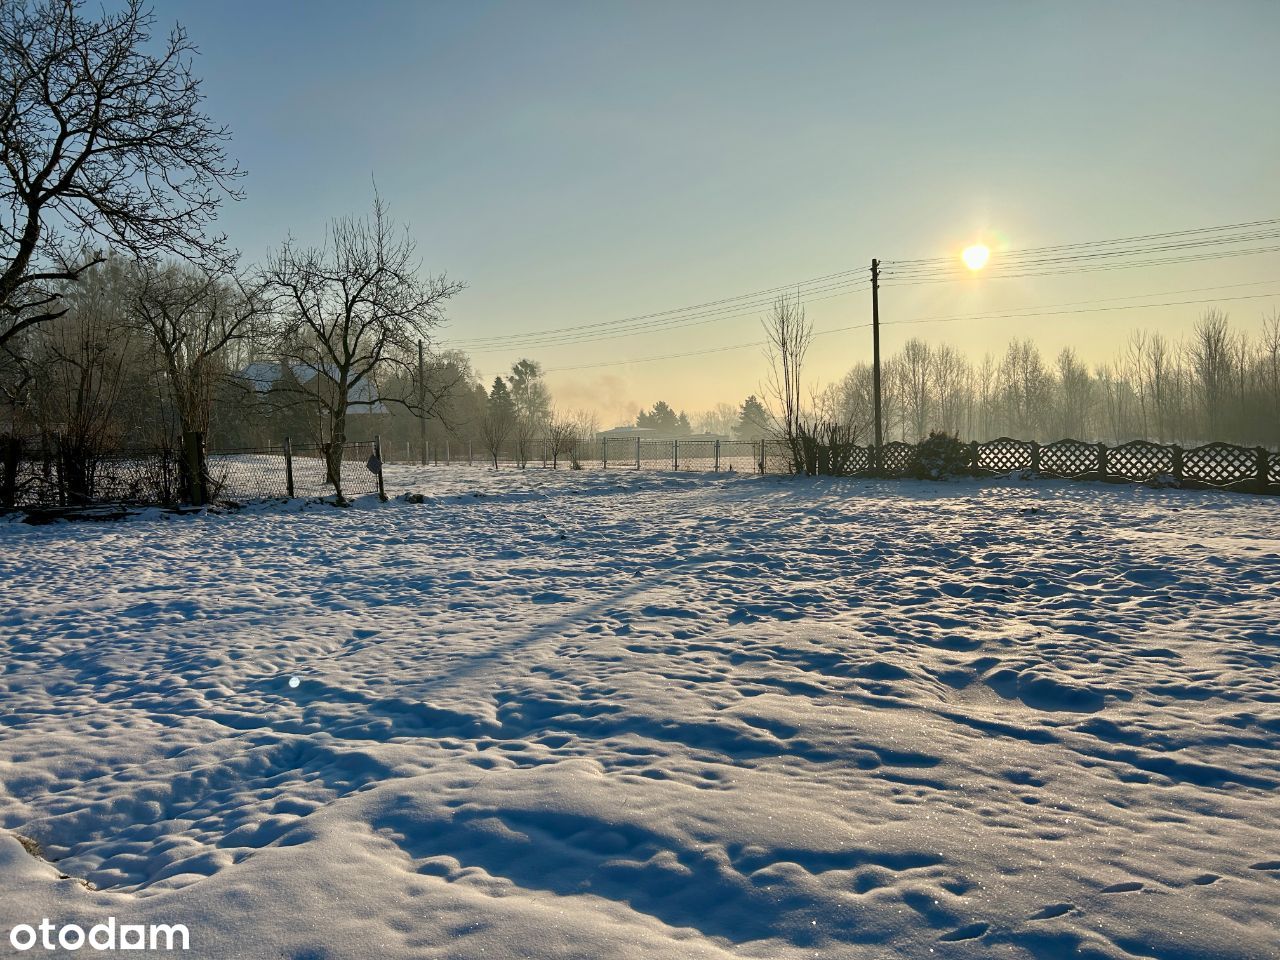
point(422, 407)
point(875, 357)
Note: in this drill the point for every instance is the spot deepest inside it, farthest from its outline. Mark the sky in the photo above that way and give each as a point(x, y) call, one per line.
point(584, 162)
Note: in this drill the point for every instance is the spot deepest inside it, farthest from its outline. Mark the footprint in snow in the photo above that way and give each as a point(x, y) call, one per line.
point(971, 931)
point(1054, 910)
point(1128, 886)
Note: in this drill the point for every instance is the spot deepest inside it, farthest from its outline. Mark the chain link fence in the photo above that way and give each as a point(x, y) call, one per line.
point(47, 473)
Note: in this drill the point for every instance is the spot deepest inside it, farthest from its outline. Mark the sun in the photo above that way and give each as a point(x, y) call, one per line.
point(976, 257)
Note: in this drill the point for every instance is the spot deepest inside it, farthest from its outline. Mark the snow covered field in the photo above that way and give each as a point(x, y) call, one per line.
point(640, 715)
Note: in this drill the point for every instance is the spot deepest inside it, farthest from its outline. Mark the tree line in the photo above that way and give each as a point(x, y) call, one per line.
point(1219, 383)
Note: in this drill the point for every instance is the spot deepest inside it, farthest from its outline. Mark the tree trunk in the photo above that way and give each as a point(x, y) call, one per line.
point(337, 442)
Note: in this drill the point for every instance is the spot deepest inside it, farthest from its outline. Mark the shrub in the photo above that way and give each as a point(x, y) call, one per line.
point(942, 455)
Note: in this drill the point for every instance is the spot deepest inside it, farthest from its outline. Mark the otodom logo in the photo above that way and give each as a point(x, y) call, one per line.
point(107, 935)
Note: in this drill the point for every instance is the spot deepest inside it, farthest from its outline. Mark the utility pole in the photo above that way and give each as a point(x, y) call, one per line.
point(875, 358)
point(422, 405)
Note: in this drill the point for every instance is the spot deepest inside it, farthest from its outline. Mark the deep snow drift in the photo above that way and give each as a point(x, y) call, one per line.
point(629, 715)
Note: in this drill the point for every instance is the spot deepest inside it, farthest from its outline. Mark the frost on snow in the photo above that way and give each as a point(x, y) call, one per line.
point(621, 715)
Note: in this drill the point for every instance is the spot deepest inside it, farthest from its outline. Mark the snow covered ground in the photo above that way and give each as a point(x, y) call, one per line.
point(607, 715)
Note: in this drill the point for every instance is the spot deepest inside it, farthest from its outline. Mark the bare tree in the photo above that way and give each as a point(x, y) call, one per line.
point(194, 318)
point(498, 421)
point(562, 437)
point(849, 403)
point(1024, 388)
point(351, 311)
point(787, 338)
point(949, 376)
point(985, 392)
point(102, 140)
point(1211, 356)
point(81, 361)
point(1075, 396)
point(914, 371)
point(721, 419)
point(1269, 375)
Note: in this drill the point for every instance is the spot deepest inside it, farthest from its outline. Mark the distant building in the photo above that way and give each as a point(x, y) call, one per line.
point(649, 433)
point(362, 398)
point(621, 433)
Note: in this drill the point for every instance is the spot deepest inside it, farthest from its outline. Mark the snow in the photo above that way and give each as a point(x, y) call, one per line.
point(589, 714)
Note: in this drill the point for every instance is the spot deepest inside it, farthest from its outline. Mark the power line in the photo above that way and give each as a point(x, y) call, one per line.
point(533, 341)
point(1039, 311)
point(1093, 244)
point(1055, 313)
point(906, 279)
point(678, 310)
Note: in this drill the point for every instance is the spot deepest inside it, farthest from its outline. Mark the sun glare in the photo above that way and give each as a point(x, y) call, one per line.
point(976, 257)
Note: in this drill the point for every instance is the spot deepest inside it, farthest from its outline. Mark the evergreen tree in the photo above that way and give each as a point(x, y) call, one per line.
point(753, 421)
point(500, 402)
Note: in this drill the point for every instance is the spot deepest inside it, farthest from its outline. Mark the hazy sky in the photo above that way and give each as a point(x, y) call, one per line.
point(585, 162)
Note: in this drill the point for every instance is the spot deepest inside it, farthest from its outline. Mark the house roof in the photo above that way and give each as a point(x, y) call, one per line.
point(266, 374)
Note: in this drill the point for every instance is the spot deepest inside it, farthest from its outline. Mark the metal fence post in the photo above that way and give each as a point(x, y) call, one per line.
point(604, 453)
point(675, 455)
point(193, 447)
point(448, 457)
point(717, 456)
point(288, 467)
point(470, 461)
point(761, 454)
point(377, 453)
point(637, 453)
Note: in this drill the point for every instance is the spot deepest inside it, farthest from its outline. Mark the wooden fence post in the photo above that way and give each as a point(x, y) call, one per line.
point(1177, 463)
point(288, 467)
point(1262, 471)
point(973, 457)
point(1102, 461)
point(1035, 457)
